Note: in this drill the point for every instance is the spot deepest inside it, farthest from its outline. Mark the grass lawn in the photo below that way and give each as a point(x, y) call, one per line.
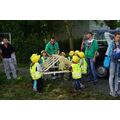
point(53, 90)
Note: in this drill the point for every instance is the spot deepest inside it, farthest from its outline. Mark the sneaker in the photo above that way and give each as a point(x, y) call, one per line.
point(82, 86)
point(54, 77)
point(89, 81)
point(95, 82)
point(34, 90)
point(117, 93)
point(9, 78)
point(113, 94)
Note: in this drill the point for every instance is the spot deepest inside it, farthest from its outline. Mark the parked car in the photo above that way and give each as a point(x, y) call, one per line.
point(103, 42)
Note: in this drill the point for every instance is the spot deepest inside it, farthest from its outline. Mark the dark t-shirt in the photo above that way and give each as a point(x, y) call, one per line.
point(7, 51)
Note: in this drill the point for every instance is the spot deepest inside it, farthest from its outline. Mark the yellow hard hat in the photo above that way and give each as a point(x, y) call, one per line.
point(35, 58)
point(63, 53)
point(77, 51)
point(71, 53)
point(75, 58)
point(81, 54)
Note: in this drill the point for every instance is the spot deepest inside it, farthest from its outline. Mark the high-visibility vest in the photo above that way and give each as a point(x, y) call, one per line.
point(76, 71)
point(43, 60)
point(61, 66)
point(84, 66)
point(34, 73)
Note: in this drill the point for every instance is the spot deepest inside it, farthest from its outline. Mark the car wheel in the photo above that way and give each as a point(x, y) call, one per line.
point(101, 71)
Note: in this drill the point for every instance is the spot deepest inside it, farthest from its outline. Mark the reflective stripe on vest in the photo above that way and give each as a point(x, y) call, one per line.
point(34, 73)
point(76, 71)
point(43, 60)
point(61, 66)
point(84, 66)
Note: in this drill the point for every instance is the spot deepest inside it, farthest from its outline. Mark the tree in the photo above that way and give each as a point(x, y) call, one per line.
point(111, 23)
point(27, 36)
point(69, 26)
point(58, 25)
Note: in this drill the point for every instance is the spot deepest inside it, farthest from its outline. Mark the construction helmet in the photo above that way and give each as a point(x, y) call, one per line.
point(81, 54)
point(63, 53)
point(77, 51)
point(71, 53)
point(35, 58)
point(75, 58)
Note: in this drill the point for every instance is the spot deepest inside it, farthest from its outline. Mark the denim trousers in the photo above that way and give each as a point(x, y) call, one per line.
point(114, 76)
point(91, 69)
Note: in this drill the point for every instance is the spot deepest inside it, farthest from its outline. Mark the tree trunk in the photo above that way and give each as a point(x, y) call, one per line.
point(68, 26)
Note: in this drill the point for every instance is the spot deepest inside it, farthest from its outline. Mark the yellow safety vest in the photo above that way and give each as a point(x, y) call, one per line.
point(43, 59)
point(34, 73)
point(84, 66)
point(61, 66)
point(76, 71)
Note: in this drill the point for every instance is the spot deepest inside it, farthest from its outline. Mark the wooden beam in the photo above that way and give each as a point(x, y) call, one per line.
point(54, 72)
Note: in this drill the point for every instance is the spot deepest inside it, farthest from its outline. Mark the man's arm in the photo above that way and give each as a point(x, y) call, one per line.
point(82, 45)
point(108, 52)
point(58, 49)
point(96, 51)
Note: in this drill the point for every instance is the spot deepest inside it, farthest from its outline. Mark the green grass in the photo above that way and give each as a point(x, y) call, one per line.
point(53, 90)
point(21, 65)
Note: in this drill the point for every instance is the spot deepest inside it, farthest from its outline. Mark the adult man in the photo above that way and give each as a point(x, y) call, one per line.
point(52, 47)
point(91, 47)
point(112, 51)
point(6, 52)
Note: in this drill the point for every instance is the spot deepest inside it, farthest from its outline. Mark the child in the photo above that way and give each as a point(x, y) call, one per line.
point(35, 71)
point(76, 73)
point(61, 65)
point(71, 53)
point(76, 52)
point(83, 64)
point(44, 57)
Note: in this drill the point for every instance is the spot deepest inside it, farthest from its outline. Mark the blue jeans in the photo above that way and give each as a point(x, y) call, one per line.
point(114, 76)
point(91, 69)
point(119, 72)
point(77, 84)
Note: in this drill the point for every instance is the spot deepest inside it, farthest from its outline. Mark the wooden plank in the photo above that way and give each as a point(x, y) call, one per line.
point(65, 60)
point(51, 62)
point(51, 65)
point(54, 59)
point(55, 72)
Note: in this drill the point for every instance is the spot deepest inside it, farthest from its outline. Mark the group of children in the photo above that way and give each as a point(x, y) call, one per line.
point(77, 69)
